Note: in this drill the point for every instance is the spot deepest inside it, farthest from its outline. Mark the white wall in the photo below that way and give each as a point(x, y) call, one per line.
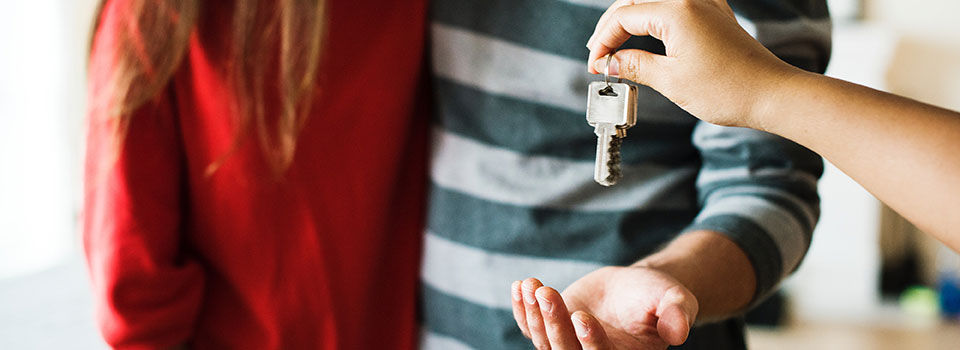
point(45, 302)
point(927, 64)
point(41, 107)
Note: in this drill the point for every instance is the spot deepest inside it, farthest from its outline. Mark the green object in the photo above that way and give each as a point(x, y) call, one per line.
point(920, 301)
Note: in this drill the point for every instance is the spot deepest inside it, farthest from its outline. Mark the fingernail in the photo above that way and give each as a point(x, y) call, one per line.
point(545, 304)
point(515, 290)
point(528, 295)
point(580, 327)
point(601, 64)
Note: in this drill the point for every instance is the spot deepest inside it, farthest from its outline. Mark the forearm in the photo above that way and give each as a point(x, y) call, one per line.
point(713, 267)
point(147, 291)
point(903, 151)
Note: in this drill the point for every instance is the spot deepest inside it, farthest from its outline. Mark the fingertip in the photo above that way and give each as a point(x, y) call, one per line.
point(531, 283)
point(519, 311)
point(515, 291)
point(673, 326)
point(592, 62)
point(589, 332)
point(596, 50)
point(592, 65)
point(601, 64)
point(546, 292)
point(551, 303)
point(586, 327)
point(528, 287)
point(597, 65)
point(677, 312)
point(534, 316)
point(580, 325)
point(683, 300)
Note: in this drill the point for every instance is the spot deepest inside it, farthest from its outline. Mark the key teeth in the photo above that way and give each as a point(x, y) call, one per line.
point(613, 164)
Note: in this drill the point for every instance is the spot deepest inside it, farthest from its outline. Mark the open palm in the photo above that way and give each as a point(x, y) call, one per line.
point(613, 308)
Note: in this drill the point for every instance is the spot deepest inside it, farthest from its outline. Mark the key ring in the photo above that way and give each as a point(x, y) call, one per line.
point(606, 69)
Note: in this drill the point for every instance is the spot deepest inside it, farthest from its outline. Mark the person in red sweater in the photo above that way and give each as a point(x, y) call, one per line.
point(255, 173)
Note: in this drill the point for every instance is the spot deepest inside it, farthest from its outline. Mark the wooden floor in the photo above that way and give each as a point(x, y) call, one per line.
point(932, 336)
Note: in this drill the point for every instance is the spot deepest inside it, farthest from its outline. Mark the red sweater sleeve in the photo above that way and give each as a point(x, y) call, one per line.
point(147, 289)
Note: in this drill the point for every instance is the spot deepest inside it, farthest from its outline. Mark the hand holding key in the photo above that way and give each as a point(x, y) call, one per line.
point(712, 68)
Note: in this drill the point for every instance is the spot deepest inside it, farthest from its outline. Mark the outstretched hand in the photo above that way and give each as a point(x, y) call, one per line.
point(611, 308)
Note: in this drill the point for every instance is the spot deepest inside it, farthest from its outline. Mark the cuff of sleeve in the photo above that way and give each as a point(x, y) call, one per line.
point(759, 247)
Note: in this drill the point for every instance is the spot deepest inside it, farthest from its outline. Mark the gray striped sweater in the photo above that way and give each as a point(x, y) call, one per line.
point(512, 193)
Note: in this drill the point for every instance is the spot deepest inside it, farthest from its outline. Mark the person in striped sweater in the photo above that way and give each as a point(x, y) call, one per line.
point(711, 218)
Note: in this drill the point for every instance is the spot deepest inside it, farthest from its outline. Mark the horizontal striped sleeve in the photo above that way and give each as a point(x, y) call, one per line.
point(797, 31)
point(761, 191)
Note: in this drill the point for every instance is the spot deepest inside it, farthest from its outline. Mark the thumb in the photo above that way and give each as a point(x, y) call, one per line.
point(639, 66)
point(677, 312)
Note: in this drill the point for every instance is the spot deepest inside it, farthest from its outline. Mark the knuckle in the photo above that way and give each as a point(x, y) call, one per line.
point(688, 4)
point(688, 7)
point(620, 11)
point(606, 270)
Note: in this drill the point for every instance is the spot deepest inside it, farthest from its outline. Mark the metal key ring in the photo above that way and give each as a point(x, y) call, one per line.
point(606, 69)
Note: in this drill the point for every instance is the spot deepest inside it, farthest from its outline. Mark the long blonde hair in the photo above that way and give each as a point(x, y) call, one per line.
point(152, 39)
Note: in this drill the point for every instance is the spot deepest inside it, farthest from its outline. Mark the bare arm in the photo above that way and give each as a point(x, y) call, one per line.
point(905, 152)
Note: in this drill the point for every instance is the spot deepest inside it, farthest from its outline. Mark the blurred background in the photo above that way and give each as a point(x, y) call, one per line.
point(869, 281)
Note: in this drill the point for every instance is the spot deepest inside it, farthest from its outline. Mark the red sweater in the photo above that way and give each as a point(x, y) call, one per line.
point(326, 258)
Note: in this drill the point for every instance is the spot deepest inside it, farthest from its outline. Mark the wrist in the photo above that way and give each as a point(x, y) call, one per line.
point(779, 84)
point(712, 267)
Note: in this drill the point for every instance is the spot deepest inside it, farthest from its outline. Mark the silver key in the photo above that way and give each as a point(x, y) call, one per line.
point(611, 110)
